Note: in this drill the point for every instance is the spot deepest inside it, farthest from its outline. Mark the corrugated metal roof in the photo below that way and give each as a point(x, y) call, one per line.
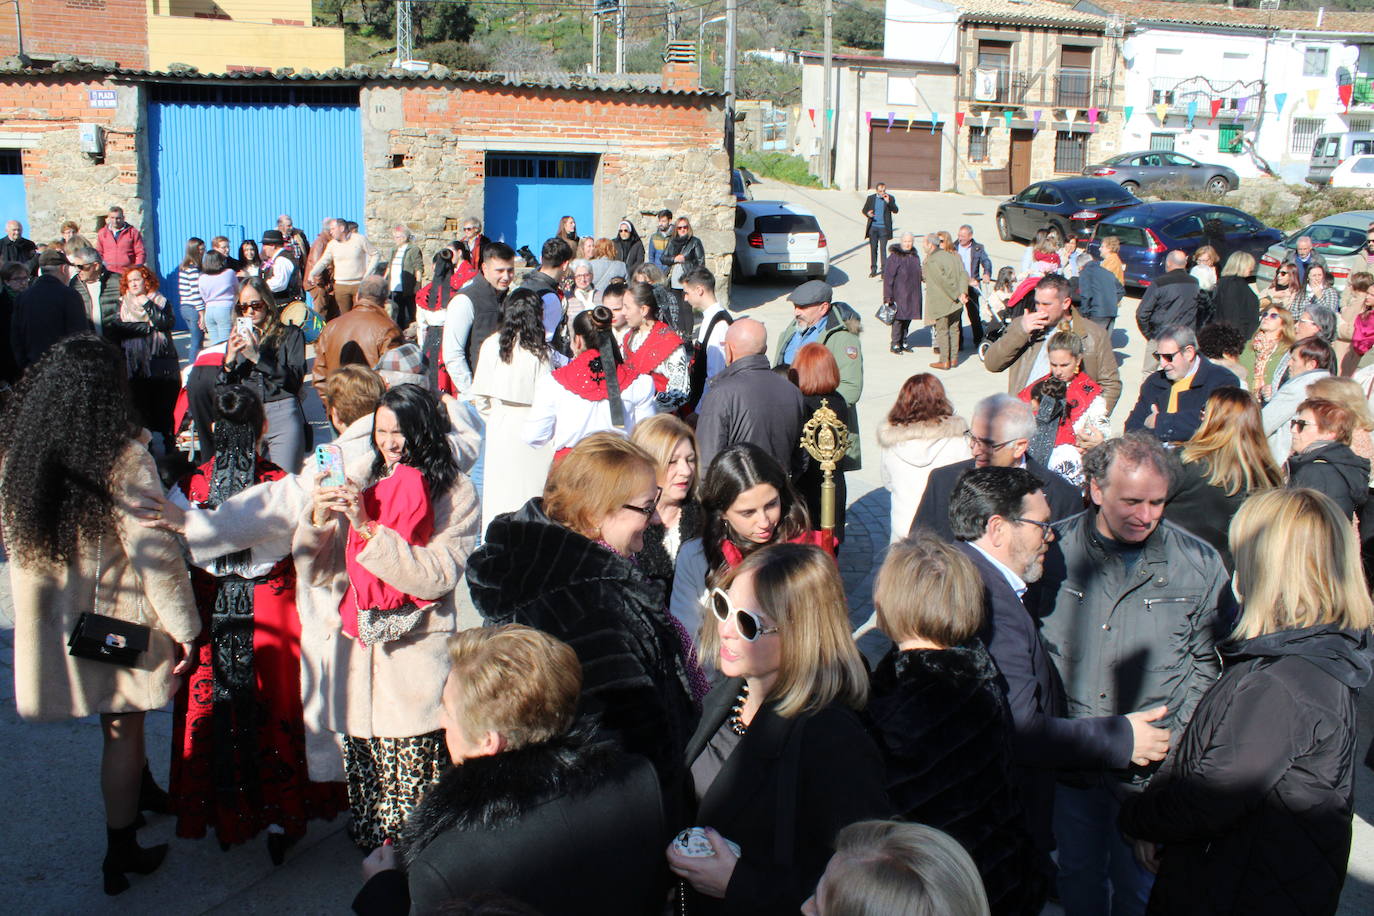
point(1027, 12)
point(640, 83)
point(1338, 21)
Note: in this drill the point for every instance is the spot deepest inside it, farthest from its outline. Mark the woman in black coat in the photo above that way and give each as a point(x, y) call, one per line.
point(781, 761)
point(942, 720)
point(629, 247)
point(565, 564)
point(902, 287)
point(534, 808)
point(1234, 300)
point(1253, 807)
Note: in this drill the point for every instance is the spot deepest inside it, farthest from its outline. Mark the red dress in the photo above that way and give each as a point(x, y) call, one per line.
point(234, 776)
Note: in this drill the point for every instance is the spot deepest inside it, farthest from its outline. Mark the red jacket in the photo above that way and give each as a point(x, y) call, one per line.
point(120, 253)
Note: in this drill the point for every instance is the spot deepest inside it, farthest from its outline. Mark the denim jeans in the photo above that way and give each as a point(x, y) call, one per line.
point(1098, 872)
point(219, 321)
point(191, 316)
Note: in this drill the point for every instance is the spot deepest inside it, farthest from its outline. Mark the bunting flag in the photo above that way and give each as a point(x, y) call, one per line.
point(958, 120)
point(1312, 96)
point(1161, 112)
point(984, 116)
point(1035, 116)
point(1279, 99)
point(1345, 92)
point(811, 112)
point(1240, 108)
point(890, 116)
point(868, 116)
point(908, 125)
point(1192, 113)
point(1127, 112)
point(830, 114)
point(1216, 107)
point(1073, 116)
point(1092, 120)
point(1006, 115)
point(934, 121)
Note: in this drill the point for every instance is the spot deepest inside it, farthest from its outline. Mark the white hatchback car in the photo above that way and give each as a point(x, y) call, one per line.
point(778, 240)
point(1353, 172)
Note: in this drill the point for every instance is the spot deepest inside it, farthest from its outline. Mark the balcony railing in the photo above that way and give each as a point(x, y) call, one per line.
point(1073, 88)
point(1238, 99)
point(1004, 87)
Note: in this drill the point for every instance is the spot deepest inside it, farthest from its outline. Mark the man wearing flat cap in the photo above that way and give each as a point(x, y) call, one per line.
point(46, 312)
point(832, 324)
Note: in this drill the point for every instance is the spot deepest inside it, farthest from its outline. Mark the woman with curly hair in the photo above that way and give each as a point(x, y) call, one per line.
point(65, 497)
point(387, 552)
point(510, 363)
point(144, 326)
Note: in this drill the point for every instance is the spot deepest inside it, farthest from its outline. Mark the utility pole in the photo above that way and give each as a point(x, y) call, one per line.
point(405, 35)
point(596, 39)
point(826, 142)
point(620, 37)
point(731, 65)
point(672, 23)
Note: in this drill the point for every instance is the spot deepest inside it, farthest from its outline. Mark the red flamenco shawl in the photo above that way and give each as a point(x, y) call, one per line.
point(586, 378)
point(401, 503)
point(1081, 391)
point(658, 346)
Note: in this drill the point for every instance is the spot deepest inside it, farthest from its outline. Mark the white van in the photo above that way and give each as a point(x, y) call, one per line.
point(1331, 150)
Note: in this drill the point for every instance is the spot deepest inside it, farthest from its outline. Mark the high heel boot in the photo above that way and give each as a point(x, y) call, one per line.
point(123, 854)
point(151, 796)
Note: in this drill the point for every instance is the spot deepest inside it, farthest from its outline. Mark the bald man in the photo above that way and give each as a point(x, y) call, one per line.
point(749, 402)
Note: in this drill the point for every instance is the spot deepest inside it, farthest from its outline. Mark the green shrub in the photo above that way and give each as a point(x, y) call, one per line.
point(779, 167)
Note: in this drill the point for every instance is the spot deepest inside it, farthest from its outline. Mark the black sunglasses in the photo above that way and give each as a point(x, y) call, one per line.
point(748, 624)
point(1298, 423)
point(646, 511)
point(1166, 357)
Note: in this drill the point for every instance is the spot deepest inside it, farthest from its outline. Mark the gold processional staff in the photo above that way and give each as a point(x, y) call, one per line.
point(826, 439)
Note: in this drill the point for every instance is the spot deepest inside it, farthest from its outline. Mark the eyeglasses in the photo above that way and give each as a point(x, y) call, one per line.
point(252, 305)
point(646, 511)
point(1046, 529)
point(1166, 357)
point(1305, 320)
point(682, 227)
point(986, 444)
point(1271, 315)
point(1298, 423)
point(748, 624)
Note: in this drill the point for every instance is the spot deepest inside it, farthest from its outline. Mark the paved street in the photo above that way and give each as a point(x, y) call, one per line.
point(52, 841)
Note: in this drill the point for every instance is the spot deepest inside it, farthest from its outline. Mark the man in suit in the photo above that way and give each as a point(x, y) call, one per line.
point(998, 436)
point(978, 266)
point(1002, 520)
point(879, 209)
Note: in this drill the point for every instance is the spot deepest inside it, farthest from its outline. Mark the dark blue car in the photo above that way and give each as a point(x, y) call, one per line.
point(1071, 205)
point(1150, 231)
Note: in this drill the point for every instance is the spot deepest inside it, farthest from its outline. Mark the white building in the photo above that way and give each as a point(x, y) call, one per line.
point(1184, 57)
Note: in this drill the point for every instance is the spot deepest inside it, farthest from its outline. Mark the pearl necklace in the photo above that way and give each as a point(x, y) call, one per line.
point(735, 722)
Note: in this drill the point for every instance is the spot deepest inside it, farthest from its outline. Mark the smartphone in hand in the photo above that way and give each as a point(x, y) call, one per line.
point(329, 462)
point(243, 326)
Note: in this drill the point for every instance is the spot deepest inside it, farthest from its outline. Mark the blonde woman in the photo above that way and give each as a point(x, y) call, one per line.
point(894, 868)
point(673, 446)
point(781, 761)
point(1270, 750)
point(1225, 461)
point(1111, 258)
point(1206, 262)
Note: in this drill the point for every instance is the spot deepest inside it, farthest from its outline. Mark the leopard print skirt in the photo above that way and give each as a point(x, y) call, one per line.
point(387, 777)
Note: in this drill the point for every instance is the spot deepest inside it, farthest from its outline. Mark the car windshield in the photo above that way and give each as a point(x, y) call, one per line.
point(787, 222)
point(1328, 239)
point(1109, 195)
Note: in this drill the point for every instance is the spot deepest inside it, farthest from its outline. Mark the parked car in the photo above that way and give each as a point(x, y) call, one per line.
point(1153, 168)
point(778, 239)
point(1148, 232)
point(1355, 172)
point(1330, 150)
point(1071, 205)
point(1338, 238)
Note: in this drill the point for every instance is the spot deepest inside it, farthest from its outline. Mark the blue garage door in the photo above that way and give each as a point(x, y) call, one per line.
point(528, 195)
point(13, 202)
point(227, 160)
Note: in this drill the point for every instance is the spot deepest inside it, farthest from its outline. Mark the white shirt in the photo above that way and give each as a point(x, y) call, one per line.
point(93, 290)
point(457, 327)
point(1017, 584)
point(394, 271)
point(715, 347)
point(565, 419)
point(282, 271)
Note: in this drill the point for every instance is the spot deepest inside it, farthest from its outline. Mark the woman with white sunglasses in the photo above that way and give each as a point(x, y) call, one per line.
point(780, 762)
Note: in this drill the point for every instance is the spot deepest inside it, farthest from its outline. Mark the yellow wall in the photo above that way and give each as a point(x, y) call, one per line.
point(248, 39)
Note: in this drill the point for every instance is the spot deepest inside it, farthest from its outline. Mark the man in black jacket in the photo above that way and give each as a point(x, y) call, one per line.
point(1172, 399)
point(1002, 521)
point(98, 290)
point(14, 247)
point(553, 258)
point(878, 210)
point(999, 435)
point(474, 312)
point(749, 402)
point(45, 313)
point(1170, 300)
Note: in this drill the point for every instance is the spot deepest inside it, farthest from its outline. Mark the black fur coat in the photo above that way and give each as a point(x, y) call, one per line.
point(571, 826)
point(945, 732)
point(536, 572)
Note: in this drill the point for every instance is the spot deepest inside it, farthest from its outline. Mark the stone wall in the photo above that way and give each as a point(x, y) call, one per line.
point(41, 116)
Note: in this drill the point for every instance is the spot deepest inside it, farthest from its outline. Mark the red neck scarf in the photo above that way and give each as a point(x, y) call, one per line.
point(586, 378)
point(733, 557)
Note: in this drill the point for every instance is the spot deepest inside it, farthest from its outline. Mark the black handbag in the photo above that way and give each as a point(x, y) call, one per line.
point(99, 638)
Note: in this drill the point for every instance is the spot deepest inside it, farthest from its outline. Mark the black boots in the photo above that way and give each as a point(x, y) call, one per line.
point(151, 797)
point(124, 855)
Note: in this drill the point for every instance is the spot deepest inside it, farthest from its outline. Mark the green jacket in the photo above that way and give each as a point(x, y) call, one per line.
point(946, 280)
point(840, 336)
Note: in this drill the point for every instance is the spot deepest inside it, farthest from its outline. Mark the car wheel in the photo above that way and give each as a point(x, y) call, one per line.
point(1003, 230)
point(1131, 186)
point(1218, 184)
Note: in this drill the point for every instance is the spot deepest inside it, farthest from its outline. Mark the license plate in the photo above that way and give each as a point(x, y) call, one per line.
point(791, 267)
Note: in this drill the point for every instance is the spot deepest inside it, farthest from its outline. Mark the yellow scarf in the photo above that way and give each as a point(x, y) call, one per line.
point(1175, 390)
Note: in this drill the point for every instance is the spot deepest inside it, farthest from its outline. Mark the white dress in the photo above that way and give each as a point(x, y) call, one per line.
point(502, 393)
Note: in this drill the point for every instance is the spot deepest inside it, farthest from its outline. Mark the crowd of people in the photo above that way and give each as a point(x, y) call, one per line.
point(1115, 660)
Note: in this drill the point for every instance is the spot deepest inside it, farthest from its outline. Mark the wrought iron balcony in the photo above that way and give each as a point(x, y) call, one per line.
point(1240, 100)
point(1073, 88)
point(1006, 86)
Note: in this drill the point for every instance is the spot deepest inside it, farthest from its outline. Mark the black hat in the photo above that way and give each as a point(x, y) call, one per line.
point(273, 237)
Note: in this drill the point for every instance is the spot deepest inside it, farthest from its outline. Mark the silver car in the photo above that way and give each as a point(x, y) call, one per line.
point(779, 241)
point(1339, 239)
point(1156, 168)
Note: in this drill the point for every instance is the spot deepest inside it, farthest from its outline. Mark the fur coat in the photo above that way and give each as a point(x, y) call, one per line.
point(945, 732)
point(569, 826)
point(908, 454)
point(537, 572)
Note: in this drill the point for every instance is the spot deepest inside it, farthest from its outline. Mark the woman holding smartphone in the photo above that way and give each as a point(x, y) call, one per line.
point(269, 357)
point(387, 552)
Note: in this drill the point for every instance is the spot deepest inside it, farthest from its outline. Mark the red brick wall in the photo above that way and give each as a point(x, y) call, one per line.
point(115, 30)
point(499, 112)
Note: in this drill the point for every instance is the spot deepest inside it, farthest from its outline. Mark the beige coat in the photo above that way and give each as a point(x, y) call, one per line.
point(390, 690)
point(946, 280)
point(142, 578)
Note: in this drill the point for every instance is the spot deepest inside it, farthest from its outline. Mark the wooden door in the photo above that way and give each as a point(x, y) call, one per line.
point(1019, 163)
